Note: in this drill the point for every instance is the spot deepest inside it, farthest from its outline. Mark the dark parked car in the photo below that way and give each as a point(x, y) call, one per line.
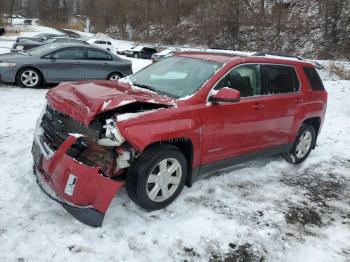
point(2, 31)
point(55, 63)
point(141, 52)
point(27, 44)
point(207, 112)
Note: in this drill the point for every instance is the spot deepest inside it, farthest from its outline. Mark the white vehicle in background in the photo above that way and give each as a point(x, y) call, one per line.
point(104, 44)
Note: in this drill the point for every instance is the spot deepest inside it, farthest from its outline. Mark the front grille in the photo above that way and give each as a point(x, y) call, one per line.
point(57, 126)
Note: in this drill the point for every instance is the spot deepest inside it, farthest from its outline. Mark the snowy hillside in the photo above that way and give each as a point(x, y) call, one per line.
point(265, 210)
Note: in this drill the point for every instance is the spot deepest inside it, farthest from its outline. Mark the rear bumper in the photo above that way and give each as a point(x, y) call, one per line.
point(80, 189)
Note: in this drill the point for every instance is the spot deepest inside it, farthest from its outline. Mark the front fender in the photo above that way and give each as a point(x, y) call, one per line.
point(142, 135)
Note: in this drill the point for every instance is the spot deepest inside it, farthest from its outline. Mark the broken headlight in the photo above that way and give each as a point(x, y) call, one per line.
point(113, 136)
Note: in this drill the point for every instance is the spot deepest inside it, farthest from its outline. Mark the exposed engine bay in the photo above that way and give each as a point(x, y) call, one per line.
point(98, 145)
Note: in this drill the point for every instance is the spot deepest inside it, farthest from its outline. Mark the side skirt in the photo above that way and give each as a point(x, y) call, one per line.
point(207, 169)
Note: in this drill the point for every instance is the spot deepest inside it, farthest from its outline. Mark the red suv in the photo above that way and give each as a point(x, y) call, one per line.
point(171, 124)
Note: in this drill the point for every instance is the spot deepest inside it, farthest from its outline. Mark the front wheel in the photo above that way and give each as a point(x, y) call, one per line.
point(157, 177)
point(303, 145)
point(114, 76)
point(29, 78)
point(136, 55)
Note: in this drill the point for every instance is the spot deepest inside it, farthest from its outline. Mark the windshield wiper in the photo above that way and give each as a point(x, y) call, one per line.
point(153, 89)
point(146, 87)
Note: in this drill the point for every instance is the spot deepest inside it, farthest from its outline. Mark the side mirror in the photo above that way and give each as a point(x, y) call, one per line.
point(225, 95)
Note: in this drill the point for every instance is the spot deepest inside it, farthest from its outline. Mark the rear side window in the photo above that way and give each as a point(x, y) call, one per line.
point(280, 79)
point(314, 79)
point(98, 55)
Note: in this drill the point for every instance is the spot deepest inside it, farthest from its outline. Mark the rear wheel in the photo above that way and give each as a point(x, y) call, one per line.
point(29, 78)
point(157, 177)
point(303, 145)
point(115, 76)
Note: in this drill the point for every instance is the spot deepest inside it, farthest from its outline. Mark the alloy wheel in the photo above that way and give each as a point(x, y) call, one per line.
point(304, 144)
point(114, 77)
point(164, 180)
point(29, 78)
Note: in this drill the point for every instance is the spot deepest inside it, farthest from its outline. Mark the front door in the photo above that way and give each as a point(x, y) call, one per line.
point(66, 65)
point(233, 129)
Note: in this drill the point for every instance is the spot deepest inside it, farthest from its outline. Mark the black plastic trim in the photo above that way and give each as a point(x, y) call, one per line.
point(207, 169)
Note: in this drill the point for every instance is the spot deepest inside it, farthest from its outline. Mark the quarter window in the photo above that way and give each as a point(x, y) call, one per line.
point(280, 79)
point(244, 78)
point(314, 79)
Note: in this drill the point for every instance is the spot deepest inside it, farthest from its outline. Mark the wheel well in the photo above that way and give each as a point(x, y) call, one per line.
point(115, 72)
point(32, 67)
point(315, 122)
point(186, 147)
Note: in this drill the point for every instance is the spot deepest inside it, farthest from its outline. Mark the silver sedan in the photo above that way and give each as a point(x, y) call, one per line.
point(56, 63)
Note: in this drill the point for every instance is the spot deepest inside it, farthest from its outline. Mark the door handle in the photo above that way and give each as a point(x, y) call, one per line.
point(258, 106)
point(299, 100)
point(77, 63)
point(105, 64)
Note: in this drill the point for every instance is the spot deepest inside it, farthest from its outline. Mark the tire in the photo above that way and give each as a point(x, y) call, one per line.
point(136, 55)
point(302, 146)
point(29, 78)
point(147, 178)
point(115, 76)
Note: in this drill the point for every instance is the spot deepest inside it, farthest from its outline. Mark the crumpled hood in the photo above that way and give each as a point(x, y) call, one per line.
point(85, 100)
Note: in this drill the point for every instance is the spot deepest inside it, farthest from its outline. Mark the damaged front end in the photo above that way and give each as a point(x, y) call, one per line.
point(78, 150)
point(80, 167)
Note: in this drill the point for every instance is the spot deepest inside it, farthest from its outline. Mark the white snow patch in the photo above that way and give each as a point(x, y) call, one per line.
point(76, 135)
point(105, 104)
point(128, 116)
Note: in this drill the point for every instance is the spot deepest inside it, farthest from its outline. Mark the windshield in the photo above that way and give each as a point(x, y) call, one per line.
point(176, 76)
point(39, 35)
point(43, 50)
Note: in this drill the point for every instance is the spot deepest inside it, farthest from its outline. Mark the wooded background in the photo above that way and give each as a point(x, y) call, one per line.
point(314, 28)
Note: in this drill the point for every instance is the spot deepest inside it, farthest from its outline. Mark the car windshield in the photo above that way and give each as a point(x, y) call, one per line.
point(43, 50)
point(40, 35)
point(176, 77)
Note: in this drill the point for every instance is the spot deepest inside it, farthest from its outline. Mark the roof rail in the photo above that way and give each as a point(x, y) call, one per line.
point(275, 54)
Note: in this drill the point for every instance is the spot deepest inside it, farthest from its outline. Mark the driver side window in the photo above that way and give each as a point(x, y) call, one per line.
point(69, 54)
point(244, 78)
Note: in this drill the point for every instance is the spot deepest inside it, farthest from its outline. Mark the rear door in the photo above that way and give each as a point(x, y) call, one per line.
point(280, 100)
point(66, 65)
point(99, 64)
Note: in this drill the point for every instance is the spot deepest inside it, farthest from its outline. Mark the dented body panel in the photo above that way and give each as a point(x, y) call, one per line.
point(83, 101)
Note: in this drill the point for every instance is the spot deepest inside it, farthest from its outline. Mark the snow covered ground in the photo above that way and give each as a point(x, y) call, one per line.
point(263, 210)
